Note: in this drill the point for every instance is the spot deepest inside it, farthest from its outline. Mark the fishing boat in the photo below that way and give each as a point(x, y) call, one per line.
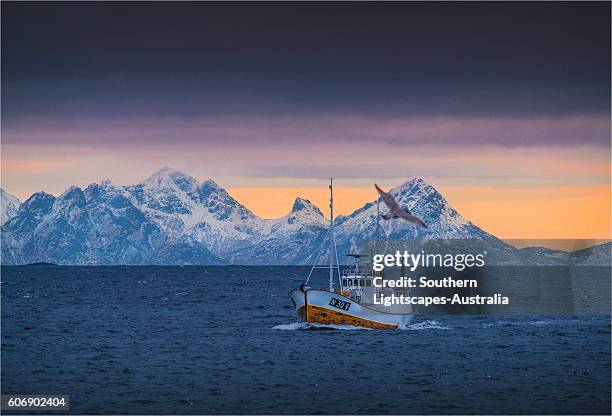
point(352, 301)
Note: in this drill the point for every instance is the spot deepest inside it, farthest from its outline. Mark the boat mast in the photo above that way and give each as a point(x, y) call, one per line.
point(333, 251)
point(332, 247)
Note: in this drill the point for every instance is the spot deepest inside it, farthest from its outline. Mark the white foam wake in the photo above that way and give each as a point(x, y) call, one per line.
point(423, 325)
point(301, 325)
point(290, 327)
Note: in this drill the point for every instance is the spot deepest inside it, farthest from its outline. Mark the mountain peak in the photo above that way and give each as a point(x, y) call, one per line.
point(417, 188)
point(416, 179)
point(168, 177)
point(39, 202)
point(417, 182)
point(209, 183)
point(107, 184)
point(72, 190)
point(40, 195)
point(104, 187)
point(9, 206)
point(301, 204)
point(166, 172)
point(72, 196)
point(305, 211)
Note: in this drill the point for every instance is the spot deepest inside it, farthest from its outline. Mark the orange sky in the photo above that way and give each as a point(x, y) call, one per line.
point(509, 213)
point(554, 192)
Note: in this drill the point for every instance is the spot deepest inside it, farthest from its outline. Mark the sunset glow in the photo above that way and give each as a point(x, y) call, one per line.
point(545, 213)
point(516, 138)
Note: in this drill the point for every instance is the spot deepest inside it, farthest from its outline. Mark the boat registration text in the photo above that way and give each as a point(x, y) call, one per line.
point(340, 304)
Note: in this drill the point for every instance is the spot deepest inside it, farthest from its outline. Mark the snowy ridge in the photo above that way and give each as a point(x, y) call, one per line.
point(171, 218)
point(9, 206)
point(302, 213)
point(206, 213)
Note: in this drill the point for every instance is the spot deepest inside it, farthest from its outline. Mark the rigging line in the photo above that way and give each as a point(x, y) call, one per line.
point(314, 263)
point(337, 262)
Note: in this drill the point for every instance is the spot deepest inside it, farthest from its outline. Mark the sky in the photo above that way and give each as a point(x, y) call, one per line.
point(503, 107)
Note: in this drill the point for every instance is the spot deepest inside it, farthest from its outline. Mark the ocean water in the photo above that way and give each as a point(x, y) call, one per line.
point(224, 340)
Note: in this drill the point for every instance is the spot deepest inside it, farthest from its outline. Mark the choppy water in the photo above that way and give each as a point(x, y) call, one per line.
point(225, 340)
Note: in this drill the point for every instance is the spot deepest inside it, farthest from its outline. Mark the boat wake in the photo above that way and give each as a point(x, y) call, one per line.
point(290, 327)
point(315, 326)
point(418, 326)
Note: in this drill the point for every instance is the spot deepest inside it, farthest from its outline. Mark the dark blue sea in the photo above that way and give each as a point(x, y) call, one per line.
point(182, 340)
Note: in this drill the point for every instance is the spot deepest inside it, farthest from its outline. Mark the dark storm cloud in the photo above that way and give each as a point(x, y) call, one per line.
point(470, 59)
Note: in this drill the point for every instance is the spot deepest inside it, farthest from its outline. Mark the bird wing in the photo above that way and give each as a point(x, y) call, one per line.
point(389, 200)
point(412, 219)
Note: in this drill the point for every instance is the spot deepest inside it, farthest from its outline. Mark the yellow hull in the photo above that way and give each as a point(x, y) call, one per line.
point(325, 316)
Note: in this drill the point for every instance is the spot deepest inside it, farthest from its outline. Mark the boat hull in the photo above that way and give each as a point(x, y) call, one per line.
point(328, 308)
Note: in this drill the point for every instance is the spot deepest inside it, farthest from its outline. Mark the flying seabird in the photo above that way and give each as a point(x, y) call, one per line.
point(396, 211)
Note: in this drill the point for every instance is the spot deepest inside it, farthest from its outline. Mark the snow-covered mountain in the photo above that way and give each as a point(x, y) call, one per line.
point(171, 218)
point(204, 213)
point(9, 206)
point(425, 202)
point(292, 239)
point(98, 225)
